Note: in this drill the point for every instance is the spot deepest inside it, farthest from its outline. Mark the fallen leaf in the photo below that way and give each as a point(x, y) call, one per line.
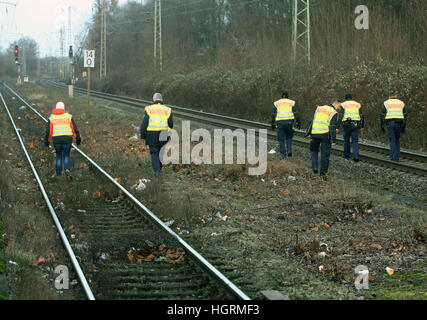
point(149, 243)
point(376, 246)
point(97, 195)
point(398, 249)
point(286, 192)
point(325, 225)
point(227, 213)
point(149, 258)
point(251, 219)
point(119, 179)
point(298, 213)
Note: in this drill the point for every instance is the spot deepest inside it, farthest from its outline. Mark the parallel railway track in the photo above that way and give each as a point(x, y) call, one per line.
point(410, 162)
point(114, 240)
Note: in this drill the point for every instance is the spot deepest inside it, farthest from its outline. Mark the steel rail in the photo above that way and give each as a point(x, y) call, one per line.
point(233, 122)
point(64, 239)
point(202, 262)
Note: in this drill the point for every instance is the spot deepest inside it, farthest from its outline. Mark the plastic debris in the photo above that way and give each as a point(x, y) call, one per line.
point(22, 107)
point(223, 218)
point(73, 236)
point(292, 178)
point(169, 223)
point(104, 256)
point(13, 262)
point(60, 206)
point(134, 138)
point(214, 234)
point(262, 180)
point(390, 271)
point(322, 268)
point(85, 192)
point(41, 260)
point(322, 254)
point(322, 244)
point(81, 210)
point(272, 151)
point(135, 127)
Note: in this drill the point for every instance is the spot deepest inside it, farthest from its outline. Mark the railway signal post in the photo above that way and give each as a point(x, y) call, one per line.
point(89, 63)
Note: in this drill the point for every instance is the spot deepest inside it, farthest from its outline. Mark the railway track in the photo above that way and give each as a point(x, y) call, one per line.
point(410, 162)
point(127, 252)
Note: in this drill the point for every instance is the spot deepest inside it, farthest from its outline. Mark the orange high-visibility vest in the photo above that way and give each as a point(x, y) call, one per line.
point(351, 110)
point(159, 115)
point(322, 119)
point(61, 124)
point(394, 109)
point(284, 109)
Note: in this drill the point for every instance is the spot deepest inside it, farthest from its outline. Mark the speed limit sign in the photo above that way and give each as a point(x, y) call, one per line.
point(89, 58)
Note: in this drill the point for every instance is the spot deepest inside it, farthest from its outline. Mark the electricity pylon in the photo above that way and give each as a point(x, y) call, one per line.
point(158, 55)
point(301, 31)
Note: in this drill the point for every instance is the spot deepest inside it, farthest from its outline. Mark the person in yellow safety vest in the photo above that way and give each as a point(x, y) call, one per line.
point(322, 131)
point(157, 119)
point(393, 115)
point(283, 117)
point(61, 129)
point(353, 121)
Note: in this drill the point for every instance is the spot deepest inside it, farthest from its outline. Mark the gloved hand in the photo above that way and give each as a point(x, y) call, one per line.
point(273, 126)
point(403, 129)
point(78, 140)
point(383, 129)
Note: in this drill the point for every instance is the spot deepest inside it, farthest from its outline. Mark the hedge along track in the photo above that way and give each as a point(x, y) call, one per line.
point(411, 162)
point(126, 250)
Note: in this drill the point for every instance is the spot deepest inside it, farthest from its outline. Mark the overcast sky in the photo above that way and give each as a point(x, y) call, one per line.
point(41, 20)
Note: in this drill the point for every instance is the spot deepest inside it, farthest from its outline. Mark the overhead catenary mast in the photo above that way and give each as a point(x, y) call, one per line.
point(158, 55)
point(301, 31)
point(103, 55)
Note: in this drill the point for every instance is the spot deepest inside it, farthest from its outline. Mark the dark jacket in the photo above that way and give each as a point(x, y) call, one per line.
point(295, 112)
point(152, 137)
point(332, 134)
point(361, 123)
point(61, 139)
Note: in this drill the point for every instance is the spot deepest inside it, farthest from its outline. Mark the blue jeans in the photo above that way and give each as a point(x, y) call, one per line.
point(325, 149)
point(62, 151)
point(351, 132)
point(155, 158)
point(285, 132)
point(394, 130)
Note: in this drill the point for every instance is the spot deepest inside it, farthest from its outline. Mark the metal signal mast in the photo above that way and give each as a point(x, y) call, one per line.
point(301, 31)
point(103, 56)
point(158, 55)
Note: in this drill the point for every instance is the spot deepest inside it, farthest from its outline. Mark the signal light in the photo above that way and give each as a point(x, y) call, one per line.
point(70, 52)
point(16, 50)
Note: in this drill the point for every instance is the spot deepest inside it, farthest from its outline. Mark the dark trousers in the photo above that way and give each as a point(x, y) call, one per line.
point(394, 130)
point(285, 132)
point(62, 156)
point(351, 131)
point(155, 158)
point(324, 143)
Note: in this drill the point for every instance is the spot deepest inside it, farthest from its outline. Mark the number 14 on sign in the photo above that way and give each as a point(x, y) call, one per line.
point(89, 58)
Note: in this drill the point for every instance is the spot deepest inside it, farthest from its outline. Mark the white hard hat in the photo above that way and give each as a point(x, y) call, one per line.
point(60, 105)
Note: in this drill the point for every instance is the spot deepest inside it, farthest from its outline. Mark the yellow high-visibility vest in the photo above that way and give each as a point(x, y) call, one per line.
point(284, 109)
point(322, 119)
point(351, 110)
point(394, 109)
point(159, 115)
point(61, 124)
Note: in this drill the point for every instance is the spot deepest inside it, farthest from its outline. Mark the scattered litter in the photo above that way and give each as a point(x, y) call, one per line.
point(79, 246)
point(223, 218)
point(60, 206)
point(322, 254)
point(169, 223)
point(81, 210)
point(74, 282)
point(274, 183)
point(390, 271)
point(104, 256)
point(272, 151)
point(41, 260)
point(13, 262)
point(322, 268)
point(292, 178)
point(210, 219)
point(184, 231)
point(322, 244)
point(22, 108)
point(135, 127)
point(214, 234)
point(18, 129)
point(288, 251)
point(134, 138)
point(73, 236)
point(85, 192)
point(262, 180)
